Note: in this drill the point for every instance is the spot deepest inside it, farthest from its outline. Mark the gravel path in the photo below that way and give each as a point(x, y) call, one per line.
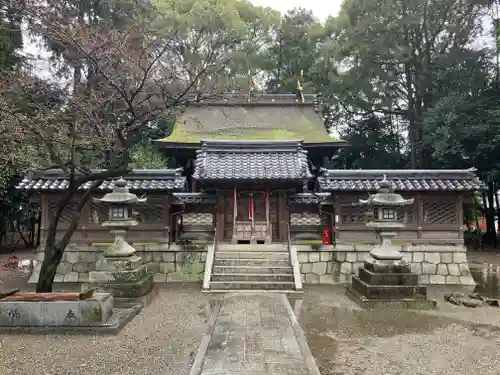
point(163, 339)
point(348, 341)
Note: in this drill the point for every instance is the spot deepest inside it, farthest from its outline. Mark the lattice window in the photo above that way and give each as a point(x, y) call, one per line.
point(405, 214)
point(67, 212)
point(353, 215)
point(440, 212)
point(198, 219)
point(150, 212)
point(305, 218)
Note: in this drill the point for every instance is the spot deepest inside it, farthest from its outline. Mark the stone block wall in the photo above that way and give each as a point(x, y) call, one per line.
point(177, 263)
point(435, 264)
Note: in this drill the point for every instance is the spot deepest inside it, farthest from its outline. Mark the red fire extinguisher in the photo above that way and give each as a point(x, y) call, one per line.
point(326, 235)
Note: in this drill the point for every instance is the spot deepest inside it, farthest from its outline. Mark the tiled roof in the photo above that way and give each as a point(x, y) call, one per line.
point(252, 160)
point(152, 179)
point(402, 180)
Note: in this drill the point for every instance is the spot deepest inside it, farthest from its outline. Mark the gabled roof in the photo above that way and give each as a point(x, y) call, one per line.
point(251, 161)
point(138, 179)
point(402, 180)
point(240, 117)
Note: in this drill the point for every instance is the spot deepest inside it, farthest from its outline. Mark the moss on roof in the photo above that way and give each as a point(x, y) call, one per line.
point(249, 123)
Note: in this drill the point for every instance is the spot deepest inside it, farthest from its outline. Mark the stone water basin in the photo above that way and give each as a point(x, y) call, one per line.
point(19, 309)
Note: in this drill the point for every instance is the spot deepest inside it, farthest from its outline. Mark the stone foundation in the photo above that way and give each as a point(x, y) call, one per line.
point(174, 264)
point(435, 264)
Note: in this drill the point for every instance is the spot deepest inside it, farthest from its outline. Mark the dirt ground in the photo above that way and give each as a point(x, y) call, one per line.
point(344, 339)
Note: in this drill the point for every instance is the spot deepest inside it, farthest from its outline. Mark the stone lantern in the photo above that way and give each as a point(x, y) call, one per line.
point(386, 280)
point(383, 206)
point(121, 272)
point(120, 218)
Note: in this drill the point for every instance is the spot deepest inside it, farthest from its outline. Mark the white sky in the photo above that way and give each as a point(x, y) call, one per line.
point(321, 8)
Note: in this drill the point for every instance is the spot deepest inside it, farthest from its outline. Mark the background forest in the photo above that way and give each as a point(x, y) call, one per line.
point(408, 82)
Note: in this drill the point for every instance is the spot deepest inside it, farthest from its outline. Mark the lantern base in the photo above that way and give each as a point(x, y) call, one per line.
point(387, 265)
point(388, 284)
point(123, 277)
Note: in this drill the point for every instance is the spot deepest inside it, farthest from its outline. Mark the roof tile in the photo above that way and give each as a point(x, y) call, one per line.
point(402, 180)
point(164, 180)
point(272, 160)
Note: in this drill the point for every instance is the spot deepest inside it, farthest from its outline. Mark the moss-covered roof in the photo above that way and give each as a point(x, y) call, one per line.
point(250, 122)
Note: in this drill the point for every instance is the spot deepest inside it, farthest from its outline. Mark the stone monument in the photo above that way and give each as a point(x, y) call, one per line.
point(121, 272)
point(386, 280)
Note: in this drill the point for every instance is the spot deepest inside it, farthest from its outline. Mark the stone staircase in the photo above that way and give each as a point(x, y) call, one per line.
point(252, 267)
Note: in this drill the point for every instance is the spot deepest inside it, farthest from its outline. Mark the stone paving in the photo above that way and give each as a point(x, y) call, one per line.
point(256, 335)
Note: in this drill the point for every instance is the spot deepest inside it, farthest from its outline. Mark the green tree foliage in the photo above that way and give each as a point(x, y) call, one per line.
point(11, 40)
point(145, 156)
point(128, 79)
point(374, 143)
point(406, 87)
point(293, 52)
point(389, 54)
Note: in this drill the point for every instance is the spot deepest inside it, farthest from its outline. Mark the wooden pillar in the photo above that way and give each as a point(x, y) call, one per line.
point(85, 218)
point(336, 217)
point(283, 220)
point(166, 216)
point(219, 216)
point(460, 215)
point(420, 215)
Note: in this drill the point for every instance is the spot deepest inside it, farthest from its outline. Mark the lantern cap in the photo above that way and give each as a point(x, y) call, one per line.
point(386, 197)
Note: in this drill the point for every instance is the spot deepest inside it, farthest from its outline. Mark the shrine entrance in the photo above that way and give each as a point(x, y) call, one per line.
point(251, 211)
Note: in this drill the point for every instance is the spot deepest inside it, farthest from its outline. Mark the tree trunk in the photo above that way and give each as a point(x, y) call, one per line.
point(495, 192)
point(53, 256)
point(54, 248)
point(488, 202)
point(491, 206)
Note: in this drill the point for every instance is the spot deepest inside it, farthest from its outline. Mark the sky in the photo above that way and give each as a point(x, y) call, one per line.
point(320, 8)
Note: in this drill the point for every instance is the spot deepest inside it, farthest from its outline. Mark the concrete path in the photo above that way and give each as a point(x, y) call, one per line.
point(254, 334)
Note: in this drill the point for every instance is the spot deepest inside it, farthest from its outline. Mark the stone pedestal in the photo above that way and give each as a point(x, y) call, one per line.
point(94, 311)
point(124, 277)
point(390, 283)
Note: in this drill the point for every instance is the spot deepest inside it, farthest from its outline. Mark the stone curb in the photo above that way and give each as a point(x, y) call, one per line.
point(197, 365)
point(111, 329)
point(301, 338)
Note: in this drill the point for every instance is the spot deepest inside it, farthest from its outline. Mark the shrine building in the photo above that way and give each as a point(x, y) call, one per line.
point(252, 201)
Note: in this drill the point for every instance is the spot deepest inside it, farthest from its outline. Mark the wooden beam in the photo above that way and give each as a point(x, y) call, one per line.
point(219, 216)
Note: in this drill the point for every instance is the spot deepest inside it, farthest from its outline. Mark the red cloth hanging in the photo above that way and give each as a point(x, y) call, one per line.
point(235, 204)
point(267, 205)
point(250, 207)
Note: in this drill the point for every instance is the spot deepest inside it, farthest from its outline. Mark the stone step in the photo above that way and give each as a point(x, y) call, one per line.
point(242, 277)
point(253, 269)
point(388, 291)
point(242, 262)
point(239, 247)
point(252, 285)
point(250, 255)
point(291, 292)
point(373, 278)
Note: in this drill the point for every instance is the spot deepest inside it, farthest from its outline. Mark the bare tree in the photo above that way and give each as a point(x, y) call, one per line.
point(129, 78)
